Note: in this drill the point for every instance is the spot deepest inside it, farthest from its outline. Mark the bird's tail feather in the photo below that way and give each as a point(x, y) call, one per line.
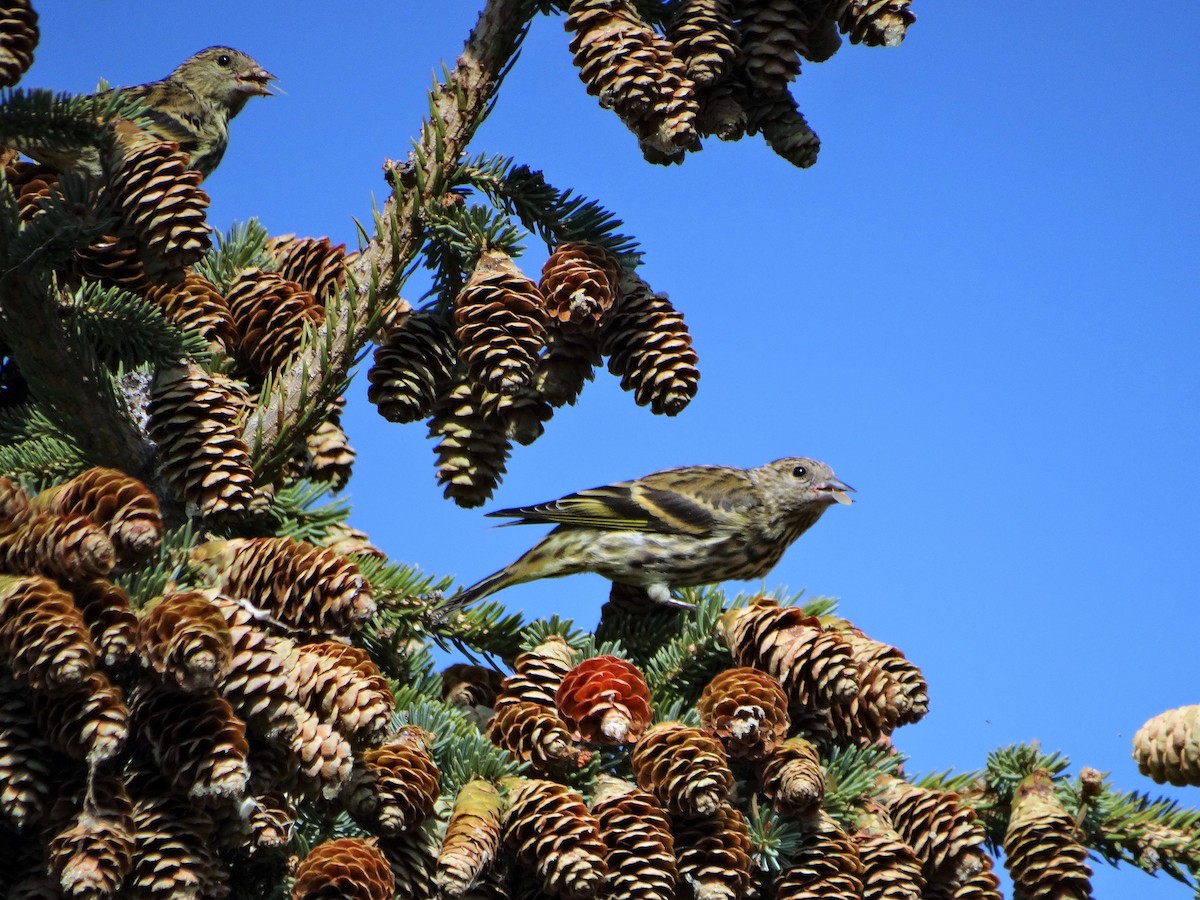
point(474, 593)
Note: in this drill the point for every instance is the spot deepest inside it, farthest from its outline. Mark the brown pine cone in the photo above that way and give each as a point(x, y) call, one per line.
point(683, 767)
point(910, 699)
point(1041, 850)
point(472, 687)
point(472, 838)
point(328, 456)
point(348, 868)
point(771, 33)
point(195, 304)
point(533, 734)
point(413, 858)
point(394, 786)
point(270, 314)
point(537, 673)
point(314, 263)
point(579, 284)
point(185, 639)
point(705, 38)
point(637, 833)
point(323, 758)
point(606, 700)
point(501, 324)
point(876, 23)
point(91, 850)
point(34, 185)
point(27, 770)
point(825, 864)
point(891, 871)
point(412, 366)
point(43, 637)
point(548, 828)
point(114, 261)
point(714, 855)
point(162, 203)
point(747, 710)
point(778, 119)
point(89, 721)
point(18, 36)
point(568, 364)
point(173, 852)
point(1167, 747)
point(649, 347)
point(68, 546)
point(793, 779)
point(472, 453)
point(344, 687)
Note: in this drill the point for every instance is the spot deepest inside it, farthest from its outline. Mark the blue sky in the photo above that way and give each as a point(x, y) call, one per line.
point(979, 307)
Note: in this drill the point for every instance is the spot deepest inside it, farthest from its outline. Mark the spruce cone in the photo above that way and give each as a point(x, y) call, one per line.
point(196, 740)
point(518, 416)
point(270, 313)
point(472, 452)
point(705, 38)
point(186, 639)
point(683, 767)
point(533, 734)
point(1167, 747)
point(641, 847)
point(1045, 859)
point(306, 587)
point(18, 36)
point(876, 23)
point(195, 419)
point(15, 503)
point(43, 637)
point(747, 710)
point(113, 626)
point(313, 263)
point(172, 856)
point(567, 365)
point(89, 721)
point(825, 864)
point(324, 758)
point(649, 347)
point(472, 838)
point(501, 324)
point(606, 700)
point(112, 260)
point(537, 673)
point(776, 116)
point(92, 850)
point(579, 283)
point(125, 508)
point(345, 688)
point(195, 304)
point(413, 858)
point(910, 698)
point(792, 778)
point(162, 203)
point(328, 454)
point(348, 868)
point(548, 828)
point(714, 855)
point(472, 687)
point(772, 34)
point(33, 185)
point(632, 70)
point(394, 786)
point(27, 775)
point(412, 366)
point(891, 871)
point(68, 546)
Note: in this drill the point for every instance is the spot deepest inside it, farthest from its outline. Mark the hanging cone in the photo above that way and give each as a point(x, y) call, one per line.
point(714, 855)
point(195, 305)
point(910, 697)
point(345, 688)
point(195, 419)
point(518, 417)
point(324, 758)
point(173, 854)
point(876, 23)
point(649, 347)
point(533, 734)
point(113, 626)
point(92, 849)
point(793, 779)
point(747, 710)
point(548, 828)
point(472, 838)
point(328, 454)
point(1041, 851)
point(412, 366)
point(683, 767)
point(315, 264)
point(18, 36)
point(89, 721)
point(306, 587)
point(637, 834)
point(471, 452)
point(350, 868)
point(606, 700)
point(43, 637)
point(1167, 747)
point(66, 546)
point(579, 284)
point(394, 786)
point(413, 858)
point(705, 39)
point(270, 314)
point(771, 34)
point(891, 871)
point(474, 688)
point(185, 639)
point(568, 364)
point(537, 673)
point(27, 776)
point(34, 185)
point(825, 864)
point(501, 324)
point(113, 260)
point(778, 119)
point(162, 204)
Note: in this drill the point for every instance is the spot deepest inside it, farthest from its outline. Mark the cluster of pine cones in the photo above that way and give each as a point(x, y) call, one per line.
point(493, 370)
point(722, 68)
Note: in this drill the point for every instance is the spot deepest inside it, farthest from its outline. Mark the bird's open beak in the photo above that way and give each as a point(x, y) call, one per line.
point(837, 489)
point(256, 81)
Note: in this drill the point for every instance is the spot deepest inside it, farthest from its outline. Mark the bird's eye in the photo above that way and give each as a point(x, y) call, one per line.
point(800, 471)
point(224, 59)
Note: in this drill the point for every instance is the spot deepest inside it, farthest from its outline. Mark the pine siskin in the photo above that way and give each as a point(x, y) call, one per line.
point(675, 528)
point(191, 107)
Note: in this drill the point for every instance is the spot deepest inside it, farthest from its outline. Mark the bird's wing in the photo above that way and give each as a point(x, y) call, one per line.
point(693, 500)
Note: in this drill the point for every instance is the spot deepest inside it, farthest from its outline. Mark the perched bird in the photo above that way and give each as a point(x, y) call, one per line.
point(191, 107)
point(675, 528)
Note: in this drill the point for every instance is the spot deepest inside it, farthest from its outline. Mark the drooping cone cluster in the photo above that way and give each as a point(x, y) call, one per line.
point(606, 700)
point(18, 36)
point(472, 454)
point(1042, 854)
point(1167, 747)
point(633, 71)
point(270, 314)
point(348, 868)
point(705, 39)
point(548, 829)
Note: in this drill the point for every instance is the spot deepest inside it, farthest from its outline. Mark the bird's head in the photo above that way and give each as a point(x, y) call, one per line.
point(798, 483)
point(225, 76)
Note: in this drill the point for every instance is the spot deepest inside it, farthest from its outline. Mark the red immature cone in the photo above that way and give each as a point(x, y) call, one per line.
point(43, 637)
point(186, 639)
point(1167, 747)
point(548, 828)
point(18, 36)
point(747, 710)
point(533, 734)
point(1041, 851)
point(394, 786)
point(792, 778)
point(714, 855)
point(606, 699)
point(271, 314)
point(683, 767)
point(348, 868)
point(89, 721)
point(314, 263)
point(472, 838)
point(641, 847)
point(195, 304)
point(344, 686)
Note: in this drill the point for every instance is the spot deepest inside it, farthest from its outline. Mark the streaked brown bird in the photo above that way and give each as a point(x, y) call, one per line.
point(191, 107)
point(675, 528)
